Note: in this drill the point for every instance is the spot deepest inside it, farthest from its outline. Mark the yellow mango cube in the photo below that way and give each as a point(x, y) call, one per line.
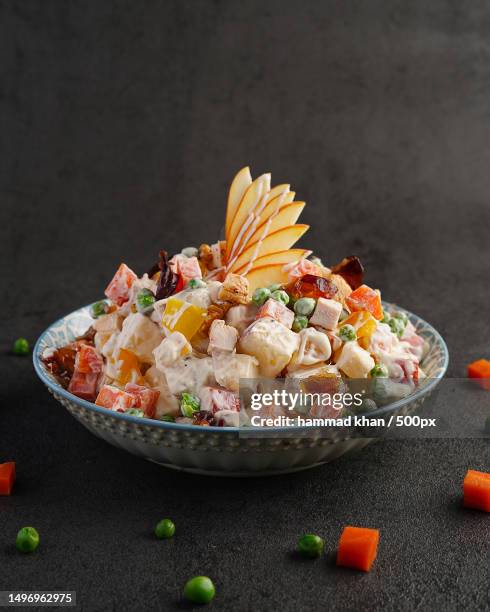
point(364, 323)
point(183, 317)
point(128, 368)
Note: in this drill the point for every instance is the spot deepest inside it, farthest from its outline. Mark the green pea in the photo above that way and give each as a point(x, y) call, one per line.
point(274, 287)
point(199, 589)
point(190, 252)
point(379, 370)
point(196, 283)
point(386, 317)
point(135, 412)
point(165, 529)
point(97, 309)
point(189, 404)
point(311, 545)
point(21, 347)
point(347, 333)
point(402, 316)
point(144, 301)
point(27, 540)
point(260, 296)
point(304, 306)
point(168, 418)
point(397, 326)
point(299, 323)
point(280, 296)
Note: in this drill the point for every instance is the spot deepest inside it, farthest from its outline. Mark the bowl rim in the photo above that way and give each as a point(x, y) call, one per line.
point(58, 389)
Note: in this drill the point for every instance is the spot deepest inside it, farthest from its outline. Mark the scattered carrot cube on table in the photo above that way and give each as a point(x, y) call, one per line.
point(7, 477)
point(480, 369)
point(358, 548)
point(476, 490)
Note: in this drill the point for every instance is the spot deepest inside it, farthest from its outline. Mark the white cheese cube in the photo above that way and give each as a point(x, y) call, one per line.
point(326, 314)
point(355, 361)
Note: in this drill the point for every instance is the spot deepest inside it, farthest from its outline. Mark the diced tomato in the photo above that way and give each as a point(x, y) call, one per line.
point(187, 267)
point(214, 399)
point(481, 370)
point(276, 310)
point(144, 398)
point(7, 477)
point(114, 399)
point(118, 289)
point(365, 298)
point(476, 488)
point(358, 548)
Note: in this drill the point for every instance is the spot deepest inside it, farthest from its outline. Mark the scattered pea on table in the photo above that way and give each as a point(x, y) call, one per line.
point(165, 529)
point(27, 540)
point(311, 545)
point(199, 589)
point(21, 347)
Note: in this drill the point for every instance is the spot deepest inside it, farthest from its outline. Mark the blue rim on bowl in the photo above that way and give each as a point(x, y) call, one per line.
point(61, 329)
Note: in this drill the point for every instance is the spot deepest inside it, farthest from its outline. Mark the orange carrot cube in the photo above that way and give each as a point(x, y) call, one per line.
point(358, 548)
point(476, 490)
point(7, 477)
point(480, 369)
point(118, 289)
point(365, 298)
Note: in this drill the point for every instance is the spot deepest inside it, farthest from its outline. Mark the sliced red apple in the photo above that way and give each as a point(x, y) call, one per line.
point(239, 185)
point(276, 241)
point(267, 275)
point(245, 210)
point(278, 257)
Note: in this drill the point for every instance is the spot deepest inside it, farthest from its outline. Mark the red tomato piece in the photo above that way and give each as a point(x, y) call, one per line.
point(118, 289)
point(7, 477)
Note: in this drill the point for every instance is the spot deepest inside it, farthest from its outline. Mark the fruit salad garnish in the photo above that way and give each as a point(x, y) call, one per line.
point(174, 343)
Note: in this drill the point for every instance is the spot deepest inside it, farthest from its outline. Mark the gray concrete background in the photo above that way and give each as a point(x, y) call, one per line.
point(122, 125)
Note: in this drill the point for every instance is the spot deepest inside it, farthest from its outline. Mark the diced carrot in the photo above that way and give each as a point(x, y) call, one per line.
point(7, 477)
point(480, 369)
point(358, 548)
point(476, 490)
point(365, 298)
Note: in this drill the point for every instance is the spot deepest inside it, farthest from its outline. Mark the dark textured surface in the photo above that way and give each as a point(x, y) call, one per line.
point(122, 124)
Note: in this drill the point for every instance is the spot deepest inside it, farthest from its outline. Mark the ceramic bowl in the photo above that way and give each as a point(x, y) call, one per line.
point(216, 450)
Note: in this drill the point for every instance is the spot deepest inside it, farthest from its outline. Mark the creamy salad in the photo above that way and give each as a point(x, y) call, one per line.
point(174, 343)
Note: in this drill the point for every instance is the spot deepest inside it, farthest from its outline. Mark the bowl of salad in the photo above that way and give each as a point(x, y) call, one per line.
point(158, 366)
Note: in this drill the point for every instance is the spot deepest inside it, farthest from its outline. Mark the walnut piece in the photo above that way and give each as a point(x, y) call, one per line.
point(234, 289)
point(343, 287)
point(215, 311)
